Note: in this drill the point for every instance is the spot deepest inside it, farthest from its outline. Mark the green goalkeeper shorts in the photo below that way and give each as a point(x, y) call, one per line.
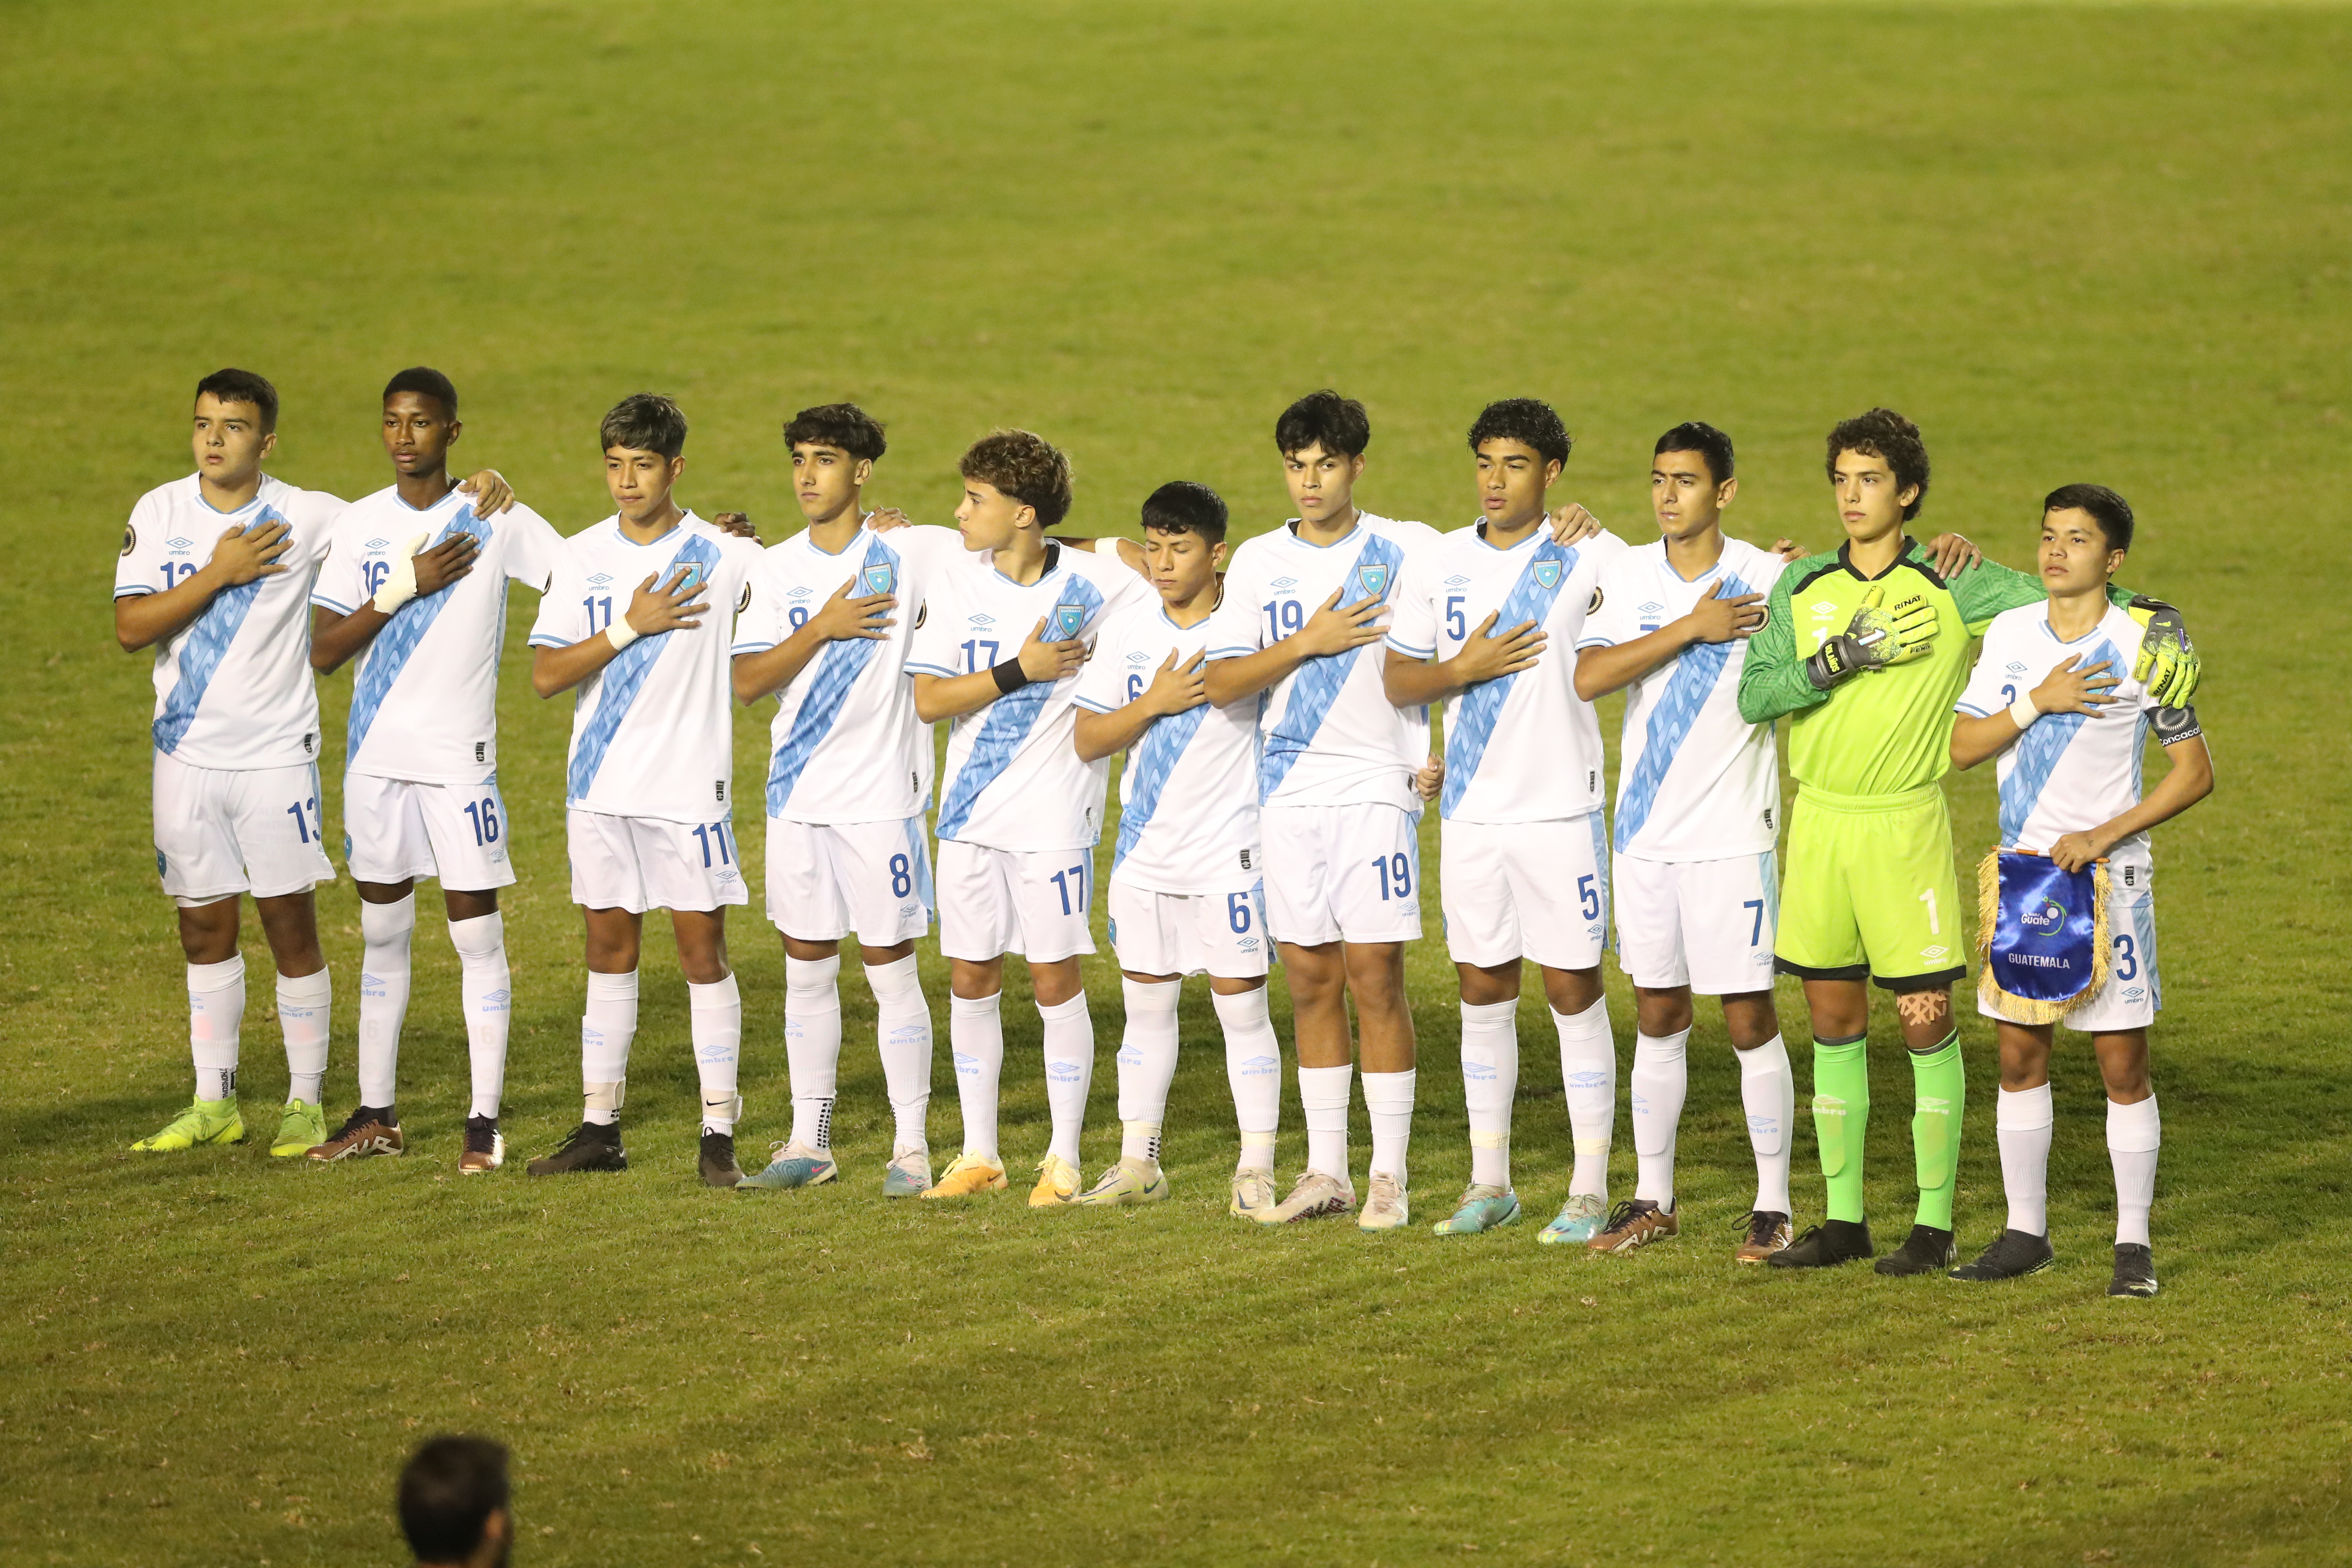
point(1871, 892)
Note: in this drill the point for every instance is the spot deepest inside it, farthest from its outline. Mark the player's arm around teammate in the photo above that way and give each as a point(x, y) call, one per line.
point(2070, 746)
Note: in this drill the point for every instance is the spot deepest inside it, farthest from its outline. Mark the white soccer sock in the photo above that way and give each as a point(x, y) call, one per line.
point(976, 1041)
point(903, 1023)
point(715, 1014)
point(1588, 1068)
point(813, 1046)
point(304, 1003)
point(384, 930)
point(1388, 1099)
point(2021, 1122)
point(1490, 1078)
point(1069, 1071)
point(215, 1014)
point(486, 990)
point(607, 1024)
point(1656, 1089)
point(1323, 1096)
point(1147, 1065)
point(1767, 1093)
point(2134, 1133)
point(1253, 1071)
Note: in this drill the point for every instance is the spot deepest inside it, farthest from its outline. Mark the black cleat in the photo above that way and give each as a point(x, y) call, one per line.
point(718, 1161)
point(2013, 1255)
point(2134, 1270)
point(1826, 1246)
point(591, 1146)
point(1925, 1250)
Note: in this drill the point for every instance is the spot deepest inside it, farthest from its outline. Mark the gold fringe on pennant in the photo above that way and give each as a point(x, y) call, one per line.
point(2023, 1009)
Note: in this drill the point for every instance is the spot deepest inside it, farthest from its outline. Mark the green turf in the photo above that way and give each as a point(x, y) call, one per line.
point(2106, 243)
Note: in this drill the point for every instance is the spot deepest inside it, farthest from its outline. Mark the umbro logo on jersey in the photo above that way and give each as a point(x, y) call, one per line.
point(2016, 667)
point(1139, 656)
point(379, 544)
point(179, 546)
point(1933, 953)
point(1283, 582)
point(797, 593)
point(601, 580)
point(1548, 574)
point(1653, 608)
point(1823, 607)
point(982, 620)
point(1457, 581)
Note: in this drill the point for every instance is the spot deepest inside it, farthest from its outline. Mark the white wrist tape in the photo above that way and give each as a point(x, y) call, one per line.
point(619, 634)
point(400, 579)
point(2024, 711)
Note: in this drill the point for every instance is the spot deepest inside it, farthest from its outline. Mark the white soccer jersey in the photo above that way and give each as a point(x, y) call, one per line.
point(1523, 747)
point(1328, 734)
point(1695, 781)
point(1187, 796)
point(651, 732)
point(425, 696)
point(1013, 778)
point(2070, 772)
point(845, 746)
point(232, 686)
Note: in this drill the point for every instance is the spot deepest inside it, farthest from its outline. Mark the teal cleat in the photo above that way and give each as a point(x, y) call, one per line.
point(908, 1174)
point(794, 1165)
point(1483, 1207)
point(1579, 1221)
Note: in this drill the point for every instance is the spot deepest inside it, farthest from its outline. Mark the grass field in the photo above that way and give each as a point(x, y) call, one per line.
point(2109, 242)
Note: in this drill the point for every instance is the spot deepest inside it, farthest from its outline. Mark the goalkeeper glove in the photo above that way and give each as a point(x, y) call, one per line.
point(2167, 664)
point(1878, 636)
point(400, 581)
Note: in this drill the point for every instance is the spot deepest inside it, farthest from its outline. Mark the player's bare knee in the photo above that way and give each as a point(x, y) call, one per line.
point(1925, 1017)
point(1751, 1019)
point(2123, 1065)
point(1056, 983)
point(1664, 1012)
point(464, 905)
point(1483, 986)
point(975, 979)
point(291, 924)
point(874, 957)
point(208, 932)
point(1236, 985)
point(1571, 991)
point(2024, 1055)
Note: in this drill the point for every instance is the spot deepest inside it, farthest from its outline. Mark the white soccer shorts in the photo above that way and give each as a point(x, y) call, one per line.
point(1030, 902)
point(1706, 924)
point(1536, 890)
point(394, 829)
point(1341, 873)
point(1222, 934)
point(220, 832)
point(2132, 996)
point(640, 863)
point(828, 880)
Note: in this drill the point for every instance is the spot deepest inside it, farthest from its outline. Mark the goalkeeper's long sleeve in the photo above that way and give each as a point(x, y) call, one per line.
point(1772, 679)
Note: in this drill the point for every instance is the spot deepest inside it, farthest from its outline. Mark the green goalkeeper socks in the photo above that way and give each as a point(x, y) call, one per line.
point(1937, 1085)
point(1840, 1116)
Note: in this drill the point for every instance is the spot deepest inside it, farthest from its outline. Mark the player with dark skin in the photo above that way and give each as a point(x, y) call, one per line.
point(230, 448)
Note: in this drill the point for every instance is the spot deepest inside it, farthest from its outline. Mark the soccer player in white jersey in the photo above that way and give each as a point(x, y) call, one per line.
point(1698, 809)
point(2053, 696)
point(649, 799)
point(1484, 623)
point(1003, 635)
point(215, 573)
point(415, 585)
point(1187, 895)
point(830, 618)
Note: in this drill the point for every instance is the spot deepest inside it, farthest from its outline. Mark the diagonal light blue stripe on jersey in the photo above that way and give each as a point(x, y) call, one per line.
point(1697, 669)
point(837, 670)
point(207, 645)
point(398, 642)
point(1317, 683)
point(2038, 752)
point(1009, 718)
point(1155, 759)
point(618, 685)
point(1470, 728)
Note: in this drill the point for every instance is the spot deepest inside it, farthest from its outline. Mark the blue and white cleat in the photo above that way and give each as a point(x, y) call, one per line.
point(794, 1165)
point(908, 1174)
point(1579, 1221)
point(1483, 1207)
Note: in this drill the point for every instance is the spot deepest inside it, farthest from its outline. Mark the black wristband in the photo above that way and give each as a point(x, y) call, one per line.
point(1010, 676)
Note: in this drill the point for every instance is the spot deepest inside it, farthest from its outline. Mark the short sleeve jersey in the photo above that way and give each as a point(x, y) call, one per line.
point(1328, 734)
point(425, 696)
point(1187, 796)
point(1521, 747)
point(2069, 772)
point(1013, 778)
point(651, 732)
point(1694, 779)
point(233, 686)
point(845, 746)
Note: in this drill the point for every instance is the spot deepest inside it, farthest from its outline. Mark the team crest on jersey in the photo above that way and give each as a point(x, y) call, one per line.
point(881, 577)
point(692, 575)
point(1548, 574)
point(1373, 577)
point(1069, 620)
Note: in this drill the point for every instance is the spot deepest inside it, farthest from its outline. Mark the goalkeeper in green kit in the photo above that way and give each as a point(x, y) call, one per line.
point(1866, 649)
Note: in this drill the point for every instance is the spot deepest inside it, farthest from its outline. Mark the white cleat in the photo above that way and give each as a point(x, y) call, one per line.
point(1252, 1192)
point(1384, 1205)
point(1313, 1197)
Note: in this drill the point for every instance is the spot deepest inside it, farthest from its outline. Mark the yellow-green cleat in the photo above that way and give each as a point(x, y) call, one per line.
point(204, 1121)
point(301, 1129)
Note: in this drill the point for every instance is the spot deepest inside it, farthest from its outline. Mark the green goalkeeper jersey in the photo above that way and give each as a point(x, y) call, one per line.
point(1883, 731)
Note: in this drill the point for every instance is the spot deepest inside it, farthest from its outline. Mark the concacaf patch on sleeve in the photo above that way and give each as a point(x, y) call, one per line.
point(1595, 607)
point(130, 539)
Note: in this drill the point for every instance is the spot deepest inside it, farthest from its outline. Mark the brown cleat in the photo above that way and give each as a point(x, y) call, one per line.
point(365, 1132)
point(486, 1147)
point(1766, 1232)
point(1633, 1224)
